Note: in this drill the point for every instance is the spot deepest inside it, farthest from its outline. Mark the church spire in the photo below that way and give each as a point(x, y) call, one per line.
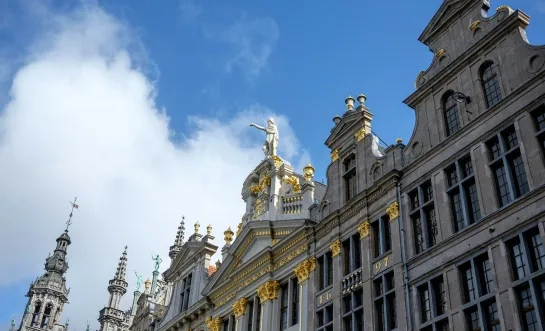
point(122, 266)
point(178, 242)
point(112, 315)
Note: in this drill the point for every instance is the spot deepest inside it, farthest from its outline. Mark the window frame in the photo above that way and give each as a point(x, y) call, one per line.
point(447, 107)
point(185, 293)
point(489, 99)
point(287, 290)
point(504, 160)
point(229, 323)
point(325, 269)
point(435, 322)
point(352, 254)
point(328, 323)
point(385, 296)
point(381, 237)
point(539, 131)
point(350, 177)
point(420, 212)
point(354, 312)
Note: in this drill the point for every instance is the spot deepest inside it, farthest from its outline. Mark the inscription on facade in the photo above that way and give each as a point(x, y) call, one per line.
point(382, 264)
point(323, 298)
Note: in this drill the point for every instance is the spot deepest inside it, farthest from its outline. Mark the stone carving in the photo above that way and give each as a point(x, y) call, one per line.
point(259, 208)
point(360, 134)
point(228, 236)
point(363, 229)
point(239, 228)
point(271, 137)
point(334, 155)
point(138, 281)
point(268, 291)
point(335, 248)
point(213, 324)
point(264, 182)
point(197, 227)
point(393, 210)
point(294, 182)
point(308, 172)
point(239, 307)
point(303, 270)
point(157, 261)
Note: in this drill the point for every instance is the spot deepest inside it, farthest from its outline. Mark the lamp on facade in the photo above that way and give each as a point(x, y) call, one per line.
point(460, 97)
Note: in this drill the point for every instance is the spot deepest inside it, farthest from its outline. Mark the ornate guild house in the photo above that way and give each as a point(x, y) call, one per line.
point(442, 233)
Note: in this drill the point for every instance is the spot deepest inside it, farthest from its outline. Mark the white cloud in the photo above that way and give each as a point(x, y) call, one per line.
point(251, 42)
point(82, 120)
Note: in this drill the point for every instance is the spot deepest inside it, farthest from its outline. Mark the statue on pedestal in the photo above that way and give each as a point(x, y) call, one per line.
point(271, 137)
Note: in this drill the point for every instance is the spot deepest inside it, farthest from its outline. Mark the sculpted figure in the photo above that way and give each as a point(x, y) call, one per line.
point(157, 261)
point(138, 280)
point(271, 137)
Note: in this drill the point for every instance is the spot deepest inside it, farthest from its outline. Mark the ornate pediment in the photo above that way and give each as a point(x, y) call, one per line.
point(348, 125)
point(188, 251)
point(443, 17)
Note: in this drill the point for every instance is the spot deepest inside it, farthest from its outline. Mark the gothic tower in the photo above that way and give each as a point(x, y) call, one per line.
point(111, 317)
point(48, 293)
point(178, 242)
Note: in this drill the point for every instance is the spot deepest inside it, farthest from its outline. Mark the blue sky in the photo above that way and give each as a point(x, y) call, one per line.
point(300, 59)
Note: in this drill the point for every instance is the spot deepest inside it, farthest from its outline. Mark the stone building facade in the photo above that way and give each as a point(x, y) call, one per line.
point(443, 233)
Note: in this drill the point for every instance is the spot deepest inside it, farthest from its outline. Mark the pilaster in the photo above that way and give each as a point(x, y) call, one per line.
point(303, 272)
point(239, 310)
point(268, 293)
point(337, 278)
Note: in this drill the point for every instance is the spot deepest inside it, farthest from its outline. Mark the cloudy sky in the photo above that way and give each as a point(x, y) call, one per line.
point(141, 110)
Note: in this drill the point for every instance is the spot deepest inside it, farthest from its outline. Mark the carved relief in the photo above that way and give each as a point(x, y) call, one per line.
point(363, 229)
point(335, 248)
point(239, 307)
point(535, 63)
point(213, 324)
point(360, 134)
point(259, 208)
point(268, 291)
point(393, 210)
point(303, 270)
point(264, 183)
point(294, 182)
point(416, 149)
point(334, 155)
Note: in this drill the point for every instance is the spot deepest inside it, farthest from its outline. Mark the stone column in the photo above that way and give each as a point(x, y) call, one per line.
point(268, 293)
point(239, 310)
point(303, 271)
point(337, 279)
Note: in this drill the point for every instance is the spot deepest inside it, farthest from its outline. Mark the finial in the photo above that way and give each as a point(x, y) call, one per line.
point(399, 141)
point(308, 172)
point(349, 102)
point(209, 230)
point(361, 99)
point(180, 234)
point(147, 284)
point(74, 206)
point(197, 226)
point(337, 119)
point(228, 236)
point(218, 264)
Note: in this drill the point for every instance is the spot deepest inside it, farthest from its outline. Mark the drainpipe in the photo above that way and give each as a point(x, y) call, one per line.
point(404, 260)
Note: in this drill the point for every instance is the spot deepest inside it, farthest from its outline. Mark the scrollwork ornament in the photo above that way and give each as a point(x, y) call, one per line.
point(393, 210)
point(335, 248)
point(303, 270)
point(268, 291)
point(213, 324)
point(239, 307)
point(363, 229)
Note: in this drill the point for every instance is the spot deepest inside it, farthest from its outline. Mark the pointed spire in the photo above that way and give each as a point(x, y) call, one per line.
point(180, 234)
point(122, 266)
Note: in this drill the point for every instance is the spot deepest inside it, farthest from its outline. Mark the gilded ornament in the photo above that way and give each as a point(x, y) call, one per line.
point(277, 161)
point(399, 141)
point(259, 208)
point(268, 291)
point(335, 248)
point(360, 134)
point(308, 172)
point(474, 25)
point(303, 270)
point(239, 227)
point(439, 53)
point(393, 210)
point(334, 155)
point(213, 324)
point(294, 182)
point(228, 236)
point(363, 229)
point(264, 182)
point(255, 189)
point(239, 307)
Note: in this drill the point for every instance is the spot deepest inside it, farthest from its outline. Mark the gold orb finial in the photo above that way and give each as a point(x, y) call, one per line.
point(197, 227)
point(209, 229)
point(147, 284)
point(228, 236)
point(308, 172)
point(399, 141)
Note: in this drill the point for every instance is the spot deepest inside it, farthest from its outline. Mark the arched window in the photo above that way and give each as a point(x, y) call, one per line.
point(36, 313)
point(450, 111)
point(47, 313)
point(490, 84)
point(350, 185)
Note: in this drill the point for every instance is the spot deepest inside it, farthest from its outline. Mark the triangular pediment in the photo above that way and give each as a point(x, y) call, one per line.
point(188, 250)
point(448, 9)
point(346, 124)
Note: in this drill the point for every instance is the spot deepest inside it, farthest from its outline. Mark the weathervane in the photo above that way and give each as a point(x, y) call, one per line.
point(74, 206)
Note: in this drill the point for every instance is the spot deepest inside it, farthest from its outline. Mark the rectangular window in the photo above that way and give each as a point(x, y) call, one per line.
point(250, 316)
point(423, 217)
point(382, 236)
point(507, 166)
point(433, 304)
point(462, 192)
point(538, 115)
point(289, 304)
point(284, 306)
point(186, 292)
point(384, 301)
point(324, 319)
point(478, 286)
point(325, 269)
point(253, 322)
point(352, 311)
point(350, 178)
point(352, 254)
point(527, 253)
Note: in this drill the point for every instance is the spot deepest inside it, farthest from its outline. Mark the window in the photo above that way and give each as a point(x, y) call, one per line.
point(352, 311)
point(462, 192)
point(36, 314)
point(350, 183)
point(258, 315)
point(186, 291)
point(250, 326)
point(382, 238)
point(324, 319)
point(229, 324)
point(490, 84)
point(423, 217)
point(385, 302)
point(289, 304)
point(507, 166)
point(433, 305)
point(527, 254)
point(450, 111)
point(478, 295)
point(47, 313)
point(352, 254)
point(538, 116)
point(325, 268)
